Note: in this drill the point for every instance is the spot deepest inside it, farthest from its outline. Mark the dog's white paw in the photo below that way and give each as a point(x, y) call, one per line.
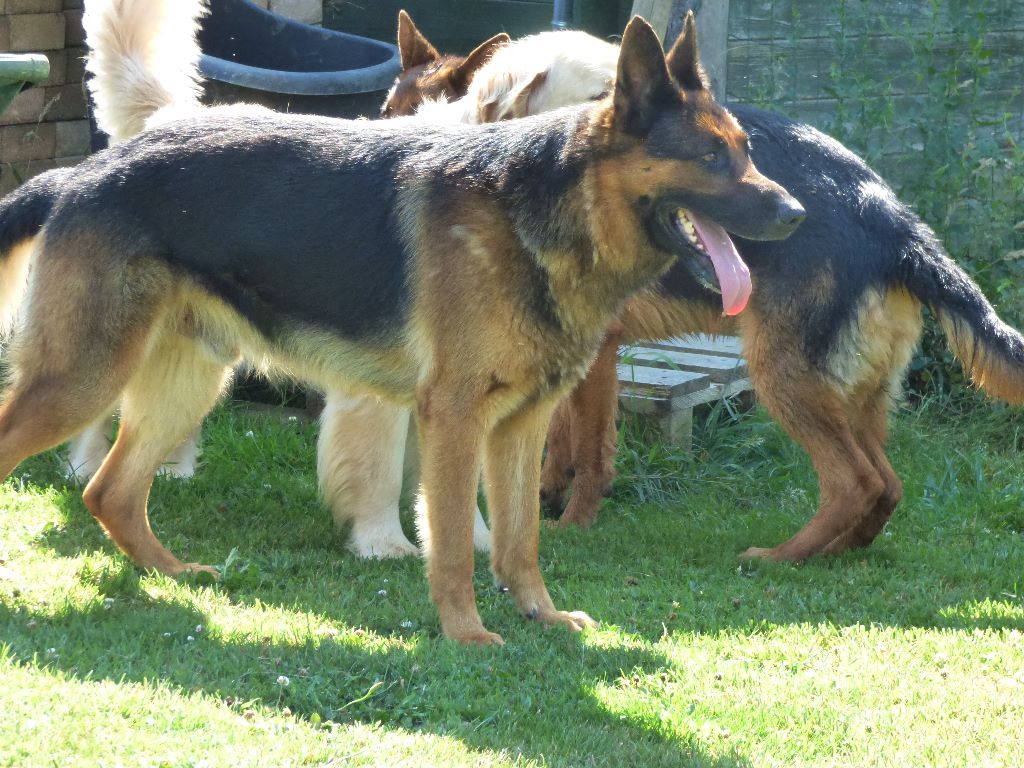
point(177, 471)
point(381, 541)
point(181, 464)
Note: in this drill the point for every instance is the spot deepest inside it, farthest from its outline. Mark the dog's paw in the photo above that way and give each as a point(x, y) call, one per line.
point(552, 501)
point(381, 544)
point(198, 569)
point(177, 471)
point(575, 621)
point(581, 512)
point(759, 553)
point(479, 637)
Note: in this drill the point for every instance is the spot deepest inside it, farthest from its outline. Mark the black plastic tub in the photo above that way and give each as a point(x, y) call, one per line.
point(254, 56)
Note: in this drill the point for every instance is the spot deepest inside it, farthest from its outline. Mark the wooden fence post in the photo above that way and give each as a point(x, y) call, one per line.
point(666, 16)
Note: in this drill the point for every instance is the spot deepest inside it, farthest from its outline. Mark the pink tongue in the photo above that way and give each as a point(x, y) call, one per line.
point(733, 275)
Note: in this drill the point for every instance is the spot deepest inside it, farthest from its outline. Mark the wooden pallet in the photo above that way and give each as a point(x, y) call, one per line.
point(665, 380)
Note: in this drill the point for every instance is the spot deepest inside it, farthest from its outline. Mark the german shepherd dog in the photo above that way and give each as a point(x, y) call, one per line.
point(471, 270)
point(143, 58)
point(143, 61)
point(361, 450)
point(830, 328)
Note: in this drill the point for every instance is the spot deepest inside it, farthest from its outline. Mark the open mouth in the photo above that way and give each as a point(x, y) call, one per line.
point(713, 259)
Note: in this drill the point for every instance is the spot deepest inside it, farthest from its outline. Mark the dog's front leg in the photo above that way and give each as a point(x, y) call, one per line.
point(450, 441)
point(512, 474)
point(360, 453)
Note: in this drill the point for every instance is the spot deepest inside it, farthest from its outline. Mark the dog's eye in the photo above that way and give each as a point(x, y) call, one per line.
point(711, 158)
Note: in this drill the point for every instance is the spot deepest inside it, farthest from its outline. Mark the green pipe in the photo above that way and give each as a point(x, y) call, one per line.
point(16, 69)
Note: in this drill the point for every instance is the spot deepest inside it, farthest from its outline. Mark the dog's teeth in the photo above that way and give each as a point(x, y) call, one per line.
point(686, 227)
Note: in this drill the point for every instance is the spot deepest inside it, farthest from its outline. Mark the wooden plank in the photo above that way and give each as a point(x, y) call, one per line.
point(713, 393)
point(702, 344)
point(713, 40)
point(657, 12)
point(666, 16)
point(660, 382)
point(648, 405)
point(674, 418)
point(720, 369)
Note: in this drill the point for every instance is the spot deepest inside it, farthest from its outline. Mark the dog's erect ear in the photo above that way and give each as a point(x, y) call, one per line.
point(684, 58)
point(642, 82)
point(515, 103)
point(413, 48)
point(477, 58)
point(521, 96)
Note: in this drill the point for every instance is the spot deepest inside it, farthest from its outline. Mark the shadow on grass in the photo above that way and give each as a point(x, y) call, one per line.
point(652, 569)
point(534, 698)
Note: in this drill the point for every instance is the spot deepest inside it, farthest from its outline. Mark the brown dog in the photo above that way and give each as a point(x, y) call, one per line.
point(425, 71)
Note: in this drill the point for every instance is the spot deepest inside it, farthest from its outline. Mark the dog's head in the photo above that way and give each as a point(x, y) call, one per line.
point(501, 81)
point(429, 74)
point(680, 162)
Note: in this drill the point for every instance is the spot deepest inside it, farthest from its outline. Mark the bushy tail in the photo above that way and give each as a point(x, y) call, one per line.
point(991, 351)
point(143, 57)
point(22, 215)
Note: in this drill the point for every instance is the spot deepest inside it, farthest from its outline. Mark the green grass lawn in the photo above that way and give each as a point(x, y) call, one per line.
point(909, 653)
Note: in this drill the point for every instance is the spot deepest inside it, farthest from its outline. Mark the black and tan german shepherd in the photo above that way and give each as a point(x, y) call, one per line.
point(469, 269)
point(831, 325)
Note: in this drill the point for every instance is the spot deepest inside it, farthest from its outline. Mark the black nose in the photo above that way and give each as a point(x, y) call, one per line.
point(790, 213)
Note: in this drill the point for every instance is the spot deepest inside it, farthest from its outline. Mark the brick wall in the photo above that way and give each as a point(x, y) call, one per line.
point(46, 125)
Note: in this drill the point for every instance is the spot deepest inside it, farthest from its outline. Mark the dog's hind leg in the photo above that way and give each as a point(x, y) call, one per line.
point(73, 354)
point(512, 472)
point(816, 415)
point(849, 484)
point(41, 413)
point(557, 472)
point(360, 453)
point(594, 439)
point(168, 395)
point(870, 431)
point(582, 440)
point(88, 448)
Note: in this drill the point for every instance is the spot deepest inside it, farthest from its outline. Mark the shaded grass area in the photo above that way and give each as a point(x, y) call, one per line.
point(906, 653)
